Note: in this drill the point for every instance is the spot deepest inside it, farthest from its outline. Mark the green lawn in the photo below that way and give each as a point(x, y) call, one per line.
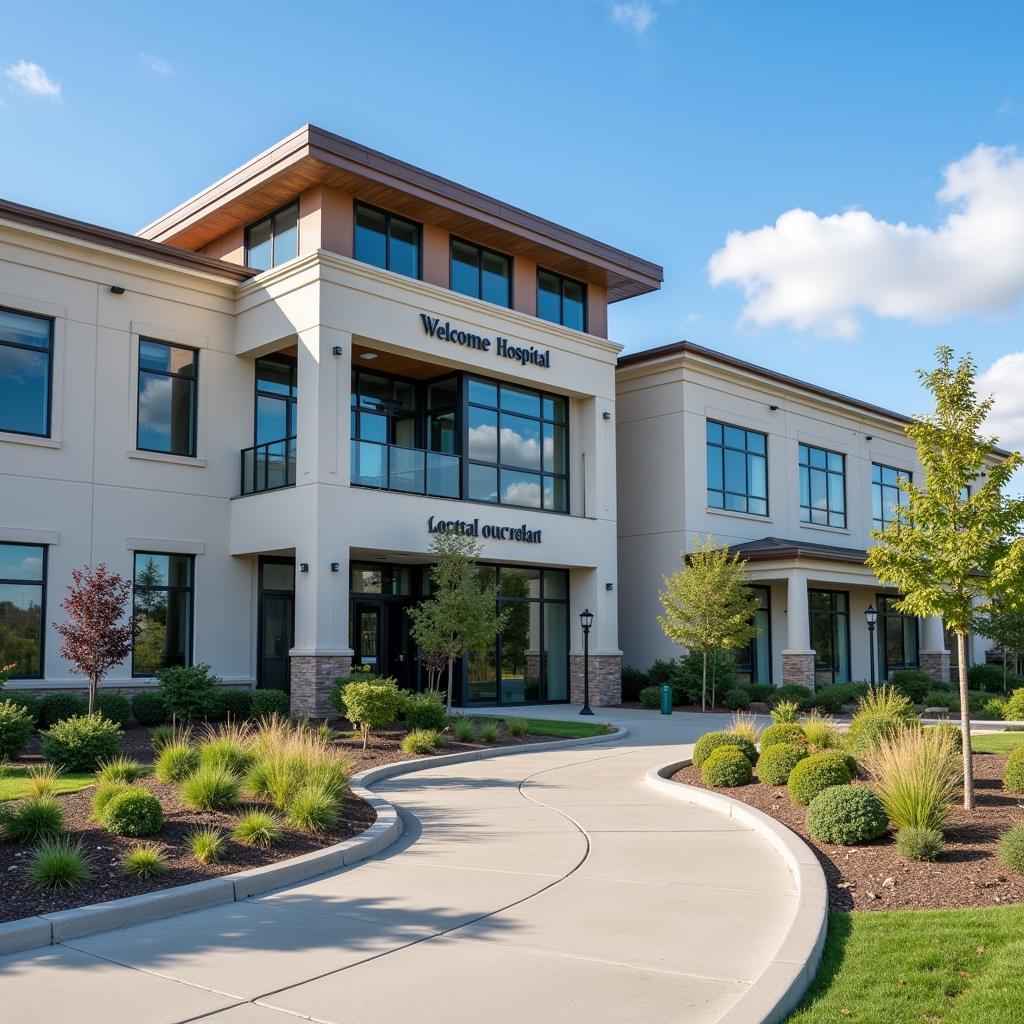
point(14, 783)
point(996, 742)
point(914, 966)
point(565, 730)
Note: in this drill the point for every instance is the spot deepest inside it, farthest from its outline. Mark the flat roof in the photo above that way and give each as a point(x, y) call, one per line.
point(312, 156)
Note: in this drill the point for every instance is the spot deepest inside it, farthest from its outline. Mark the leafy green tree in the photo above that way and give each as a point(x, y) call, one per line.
point(461, 614)
point(1004, 625)
point(955, 550)
point(708, 605)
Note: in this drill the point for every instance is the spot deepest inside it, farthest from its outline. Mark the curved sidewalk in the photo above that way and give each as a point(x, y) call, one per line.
point(551, 886)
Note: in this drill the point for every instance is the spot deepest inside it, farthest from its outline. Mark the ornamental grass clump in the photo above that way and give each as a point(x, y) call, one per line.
point(1013, 775)
point(489, 732)
point(745, 724)
point(134, 812)
point(211, 787)
point(119, 769)
point(207, 844)
point(257, 828)
point(517, 727)
point(921, 844)
point(726, 766)
point(177, 760)
point(464, 729)
point(145, 860)
point(1011, 849)
point(58, 863)
point(785, 712)
point(228, 746)
point(880, 715)
point(816, 773)
point(915, 774)
point(783, 732)
point(820, 732)
point(313, 809)
point(778, 761)
point(33, 819)
point(42, 780)
point(420, 741)
point(845, 815)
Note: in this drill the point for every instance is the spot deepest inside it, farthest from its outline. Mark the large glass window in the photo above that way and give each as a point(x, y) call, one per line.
point(886, 497)
point(830, 635)
point(162, 601)
point(561, 300)
point(897, 637)
point(168, 375)
point(481, 273)
point(22, 608)
point(277, 395)
point(754, 662)
point(737, 469)
point(26, 369)
point(822, 486)
point(387, 241)
point(273, 240)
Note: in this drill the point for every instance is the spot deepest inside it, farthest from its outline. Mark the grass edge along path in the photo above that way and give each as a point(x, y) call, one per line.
point(914, 966)
point(15, 781)
point(996, 742)
point(565, 730)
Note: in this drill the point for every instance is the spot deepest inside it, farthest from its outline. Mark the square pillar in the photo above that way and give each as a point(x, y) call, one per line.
point(798, 655)
point(587, 589)
point(934, 656)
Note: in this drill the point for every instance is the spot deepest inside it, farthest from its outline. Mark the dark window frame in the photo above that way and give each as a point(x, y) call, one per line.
point(49, 350)
point(881, 524)
point(194, 410)
point(562, 279)
point(748, 454)
point(884, 614)
point(190, 590)
point(42, 584)
point(481, 250)
point(750, 650)
point(809, 508)
point(834, 615)
point(388, 216)
point(272, 217)
point(291, 399)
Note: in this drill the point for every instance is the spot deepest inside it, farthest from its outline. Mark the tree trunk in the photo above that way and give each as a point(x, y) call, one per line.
point(1004, 670)
point(965, 720)
point(714, 674)
point(366, 735)
point(704, 684)
point(448, 703)
point(92, 692)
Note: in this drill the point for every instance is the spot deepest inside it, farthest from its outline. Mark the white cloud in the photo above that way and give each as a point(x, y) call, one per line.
point(156, 64)
point(32, 79)
point(635, 16)
point(822, 273)
point(1005, 380)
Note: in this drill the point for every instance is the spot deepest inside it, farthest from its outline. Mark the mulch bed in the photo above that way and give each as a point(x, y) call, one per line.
point(873, 876)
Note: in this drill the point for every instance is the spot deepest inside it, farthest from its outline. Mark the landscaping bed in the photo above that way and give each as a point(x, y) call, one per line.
point(873, 875)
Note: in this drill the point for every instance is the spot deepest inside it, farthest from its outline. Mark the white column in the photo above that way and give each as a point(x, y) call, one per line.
point(798, 629)
point(933, 637)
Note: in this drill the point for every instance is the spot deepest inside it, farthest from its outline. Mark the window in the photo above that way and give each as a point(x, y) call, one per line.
point(26, 370)
point(387, 241)
point(167, 398)
point(754, 662)
point(273, 240)
point(822, 487)
point(737, 469)
point(965, 492)
point(897, 637)
point(162, 604)
point(277, 392)
point(561, 300)
point(22, 607)
point(830, 635)
point(886, 496)
point(481, 273)
point(517, 443)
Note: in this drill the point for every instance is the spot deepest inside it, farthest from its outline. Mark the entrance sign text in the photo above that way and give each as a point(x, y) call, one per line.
point(445, 332)
point(472, 528)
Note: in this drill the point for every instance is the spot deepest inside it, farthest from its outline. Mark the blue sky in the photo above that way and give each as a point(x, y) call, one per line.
point(660, 127)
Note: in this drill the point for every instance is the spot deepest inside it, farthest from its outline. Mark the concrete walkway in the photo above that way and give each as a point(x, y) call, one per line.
point(550, 886)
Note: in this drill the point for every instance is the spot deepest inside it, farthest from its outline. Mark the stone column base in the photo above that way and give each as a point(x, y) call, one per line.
point(605, 679)
point(798, 668)
point(312, 678)
point(936, 664)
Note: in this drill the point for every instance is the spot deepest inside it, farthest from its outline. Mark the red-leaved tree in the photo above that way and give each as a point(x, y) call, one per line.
point(95, 638)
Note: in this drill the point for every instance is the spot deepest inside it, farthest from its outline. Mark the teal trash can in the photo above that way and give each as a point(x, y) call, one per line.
point(666, 699)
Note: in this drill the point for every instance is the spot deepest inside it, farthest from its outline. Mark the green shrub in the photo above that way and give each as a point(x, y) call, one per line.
point(58, 863)
point(777, 761)
point(257, 828)
point(1011, 848)
point(113, 706)
point(1015, 706)
point(988, 678)
point(206, 844)
point(336, 697)
point(56, 707)
point(919, 843)
point(783, 732)
point(845, 815)
point(711, 740)
point(236, 704)
point(737, 699)
point(425, 711)
point(176, 761)
point(25, 700)
point(148, 708)
point(189, 692)
point(759, 692)
point(650, 698)
point(785, 712)
point(144, 860)
point(81, 744)
point(163, 735)
point(211, 787)
point(134, 812)
point(34, 819)
point(312, 809)
point(912, 683)
point(119, 769)
point(942, 699)
point(956, 737)
point(518, 727)
point(994, 709)
point(106, 792)
point(726, 766)
point(816, 773)
point(799, 695)
point(880, 715)
point(372, 705)
point(464, 729)
point(16, 728)
point(1013, 776)
point(830, 703)
point(265, 703)
point(420, 741)
point(633, 681)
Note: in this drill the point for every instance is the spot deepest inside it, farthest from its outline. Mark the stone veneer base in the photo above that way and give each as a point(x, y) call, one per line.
point(313, 676)
point(936, 664)
point(605, 680)
point(798, 668)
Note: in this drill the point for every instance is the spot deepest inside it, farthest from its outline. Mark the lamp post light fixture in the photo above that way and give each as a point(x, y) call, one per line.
point(871, 617)
point(586, 621)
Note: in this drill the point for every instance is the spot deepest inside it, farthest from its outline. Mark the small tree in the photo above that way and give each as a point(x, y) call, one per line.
point(955, 549)
point(461, 615)
point(371, 705)
point(708, 605)
point(95, 638)
point(1004, 625)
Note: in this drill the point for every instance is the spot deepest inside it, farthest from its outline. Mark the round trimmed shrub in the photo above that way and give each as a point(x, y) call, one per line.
point(56, 707)
point(236, 704)
point(114, 707)
point(737, 699)
point(105, 793)
point(264, 703)
point(815, 774)
point(79, 744)
point(919, 843)
point(1011, 848)
point(372, 704)
point(1013, 776)
point(711, 740)
point(176, 762)
point(1014, 710)
point(425, 711)
point(650, 698)
point(16, 728)
point(867, 730)
point(845, 814)
point(776, 763)
point(783, 732)
point(135, 812)
point(726, 766)
point(148, 709)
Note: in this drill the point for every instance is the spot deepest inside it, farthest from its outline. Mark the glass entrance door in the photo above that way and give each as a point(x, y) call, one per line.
point(276, 634)
point(366, 635)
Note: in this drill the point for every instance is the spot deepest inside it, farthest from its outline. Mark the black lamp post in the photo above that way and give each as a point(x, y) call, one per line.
point(871, 617)
point(586, 621)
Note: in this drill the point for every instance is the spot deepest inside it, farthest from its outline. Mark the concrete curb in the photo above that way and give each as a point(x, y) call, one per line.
point(48, 929)
point(776, 993)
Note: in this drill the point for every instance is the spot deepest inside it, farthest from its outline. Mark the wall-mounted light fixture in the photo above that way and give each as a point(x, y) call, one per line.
point(606, 415)
point(117, 289)
point(303, 566)
point(773, 408)
point(336, 350)
point(335, 566)
point(869, 437)
point(609, 586)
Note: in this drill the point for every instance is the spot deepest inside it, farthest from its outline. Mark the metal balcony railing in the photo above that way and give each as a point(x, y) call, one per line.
point(390, 467)
point(268, 466)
